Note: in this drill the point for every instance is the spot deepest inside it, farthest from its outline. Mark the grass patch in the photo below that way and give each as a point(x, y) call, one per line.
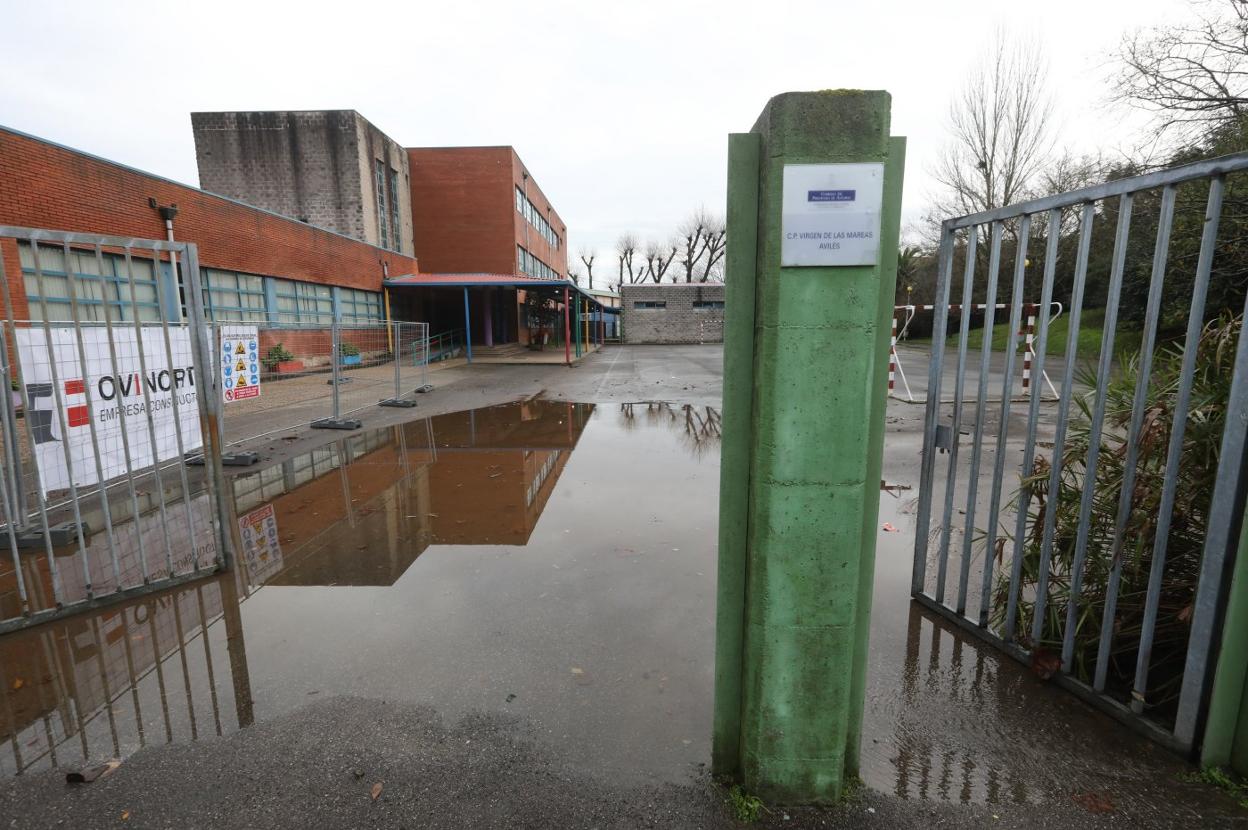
point(1222, 780)
point(745, 807)
point(1091, 330)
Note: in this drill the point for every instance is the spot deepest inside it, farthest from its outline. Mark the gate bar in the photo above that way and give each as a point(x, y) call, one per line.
point(985, 357)
point(62, 421)
point(141, 348)
point(1217, 167)
point(1126, 496)
point(998, 467)
point(1225, 524)
point(1063, 418)
point(1123, 234)
point(57, 594)
point(940, 315)
point(105, 507)
point(121, 415)
point(1029, 444)
point(1174, 453)
point(951, 478)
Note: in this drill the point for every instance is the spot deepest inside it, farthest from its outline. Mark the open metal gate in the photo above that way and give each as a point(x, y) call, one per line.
point(1093, 558)
point(109, 359)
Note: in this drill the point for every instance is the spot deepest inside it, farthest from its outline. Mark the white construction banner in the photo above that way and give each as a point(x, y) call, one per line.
point(60, 418)
point(240, 362)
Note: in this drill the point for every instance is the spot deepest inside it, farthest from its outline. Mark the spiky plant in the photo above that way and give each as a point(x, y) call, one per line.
point(1196, 474)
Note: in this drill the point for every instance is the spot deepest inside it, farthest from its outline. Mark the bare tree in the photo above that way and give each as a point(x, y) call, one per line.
point(658, 260)
point(1192, 74)
point(626, 252)
point(1001, 129)
point(587, 256)
point(574, 274)
point(716, 244)
point(701, 245)
point(690, 242)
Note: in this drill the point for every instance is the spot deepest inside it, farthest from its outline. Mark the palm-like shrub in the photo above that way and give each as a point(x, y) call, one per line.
point(1196, 474)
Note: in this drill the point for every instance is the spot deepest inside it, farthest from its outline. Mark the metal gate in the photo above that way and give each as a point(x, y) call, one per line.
point(1096, 559)
point(108, 357)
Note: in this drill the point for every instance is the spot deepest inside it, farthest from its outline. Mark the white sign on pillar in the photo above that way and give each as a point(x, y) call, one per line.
point(831, 214)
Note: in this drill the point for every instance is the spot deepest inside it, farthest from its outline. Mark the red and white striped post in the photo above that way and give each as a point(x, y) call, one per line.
point(1029, 336)
point(892, 357)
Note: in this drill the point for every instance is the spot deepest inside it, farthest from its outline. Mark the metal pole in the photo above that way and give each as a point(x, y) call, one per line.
point(335, 344)
point(467, 326)
point(397, 350)
point(567, 333)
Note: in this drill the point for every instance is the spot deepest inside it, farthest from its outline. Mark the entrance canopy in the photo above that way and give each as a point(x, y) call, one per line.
point(581, 315)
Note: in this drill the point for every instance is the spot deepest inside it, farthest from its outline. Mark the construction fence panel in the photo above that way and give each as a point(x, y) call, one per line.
point(301, 375)
point(104, 358)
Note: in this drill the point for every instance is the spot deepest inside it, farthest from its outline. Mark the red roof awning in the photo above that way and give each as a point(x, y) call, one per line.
point(469, 280)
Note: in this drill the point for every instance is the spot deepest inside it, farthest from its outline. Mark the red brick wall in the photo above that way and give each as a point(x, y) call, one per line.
point(462, 204)
point(46, 186)
point(536, 243)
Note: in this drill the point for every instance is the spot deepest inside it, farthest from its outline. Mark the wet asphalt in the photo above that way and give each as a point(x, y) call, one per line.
point(550, 666)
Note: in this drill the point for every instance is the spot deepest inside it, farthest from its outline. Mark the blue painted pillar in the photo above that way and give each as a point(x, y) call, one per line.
point(489, 317)
point(467, 326)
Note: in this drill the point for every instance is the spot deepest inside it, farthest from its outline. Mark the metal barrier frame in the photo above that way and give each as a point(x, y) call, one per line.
point(12, 489)
point(1226, 509)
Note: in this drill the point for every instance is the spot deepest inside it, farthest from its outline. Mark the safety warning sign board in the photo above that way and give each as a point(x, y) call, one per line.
point(240, 362)
point(262, 551)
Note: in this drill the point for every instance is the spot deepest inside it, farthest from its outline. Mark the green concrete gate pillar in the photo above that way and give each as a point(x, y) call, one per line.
point(814, 205)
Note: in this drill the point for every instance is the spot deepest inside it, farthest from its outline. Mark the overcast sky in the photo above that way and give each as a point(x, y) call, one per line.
point(620, 109)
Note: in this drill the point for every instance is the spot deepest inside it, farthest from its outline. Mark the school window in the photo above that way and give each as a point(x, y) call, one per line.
point(48, 286)
point(534, 217)
point(650, 304)
point(303, 303)
point(708, 303)
point(395, 236)
point(231, 296)
point(360, 306)
point(532, 266)
point(383, 217)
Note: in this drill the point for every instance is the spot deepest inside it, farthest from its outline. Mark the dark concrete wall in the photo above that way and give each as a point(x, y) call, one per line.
point(679, 321)
point(316, 167)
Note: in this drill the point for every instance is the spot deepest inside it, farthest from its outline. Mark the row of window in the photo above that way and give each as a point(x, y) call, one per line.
point(663, 304)
point(534, 216)
point(139, 289)
point(234, 296)
point(387, 205)
point(534, 267)
point(94, 287)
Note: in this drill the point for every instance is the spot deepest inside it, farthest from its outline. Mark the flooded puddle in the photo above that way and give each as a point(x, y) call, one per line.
point(547, 559)
point(550, 560)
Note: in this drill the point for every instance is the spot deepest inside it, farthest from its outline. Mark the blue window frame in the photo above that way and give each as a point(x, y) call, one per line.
point(93, 290)
point(360, 306)
point(233, 296)
point(303, 303)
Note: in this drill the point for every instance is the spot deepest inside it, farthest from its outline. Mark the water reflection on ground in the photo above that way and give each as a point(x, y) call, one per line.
point(552, 560)
point(540, 557)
